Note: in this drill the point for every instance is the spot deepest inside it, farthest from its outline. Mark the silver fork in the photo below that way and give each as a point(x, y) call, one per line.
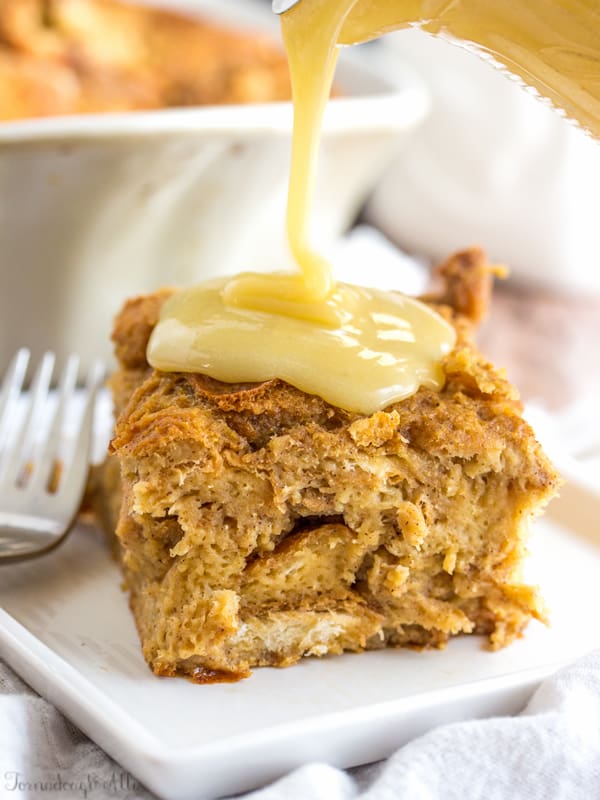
point(40, 492)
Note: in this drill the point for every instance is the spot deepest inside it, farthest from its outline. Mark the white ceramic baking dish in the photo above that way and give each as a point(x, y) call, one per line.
point(96, 208)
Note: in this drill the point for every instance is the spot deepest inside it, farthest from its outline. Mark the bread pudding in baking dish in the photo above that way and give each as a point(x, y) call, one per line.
point(257, 524)
point(81, 56)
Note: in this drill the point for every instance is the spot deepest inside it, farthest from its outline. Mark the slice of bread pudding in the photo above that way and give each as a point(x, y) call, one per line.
point(257, 524)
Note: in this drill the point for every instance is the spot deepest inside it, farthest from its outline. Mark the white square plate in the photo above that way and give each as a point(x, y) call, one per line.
point(66, 628)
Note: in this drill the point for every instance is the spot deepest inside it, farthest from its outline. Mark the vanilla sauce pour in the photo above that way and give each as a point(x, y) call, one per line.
point(362, 349)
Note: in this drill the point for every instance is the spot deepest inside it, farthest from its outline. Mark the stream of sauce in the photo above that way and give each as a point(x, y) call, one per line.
point(357, 348)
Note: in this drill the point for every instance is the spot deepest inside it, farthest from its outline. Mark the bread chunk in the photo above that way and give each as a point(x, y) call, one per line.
point(258, 524)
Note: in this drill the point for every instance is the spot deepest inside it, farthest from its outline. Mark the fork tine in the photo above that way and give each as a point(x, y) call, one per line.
point(21, 446)
point(75, 473)
point(11, 387)
point(46, 458)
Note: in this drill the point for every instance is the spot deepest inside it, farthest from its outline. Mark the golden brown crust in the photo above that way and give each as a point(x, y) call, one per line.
point(260, 524)
point(77, 56)
point(465, 282)
point(134, 325)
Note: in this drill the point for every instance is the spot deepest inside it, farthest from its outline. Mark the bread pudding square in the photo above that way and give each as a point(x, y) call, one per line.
point(257, 524)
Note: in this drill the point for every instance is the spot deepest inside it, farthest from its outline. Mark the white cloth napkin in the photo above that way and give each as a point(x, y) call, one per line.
point(491, 165)
point(551, 750)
